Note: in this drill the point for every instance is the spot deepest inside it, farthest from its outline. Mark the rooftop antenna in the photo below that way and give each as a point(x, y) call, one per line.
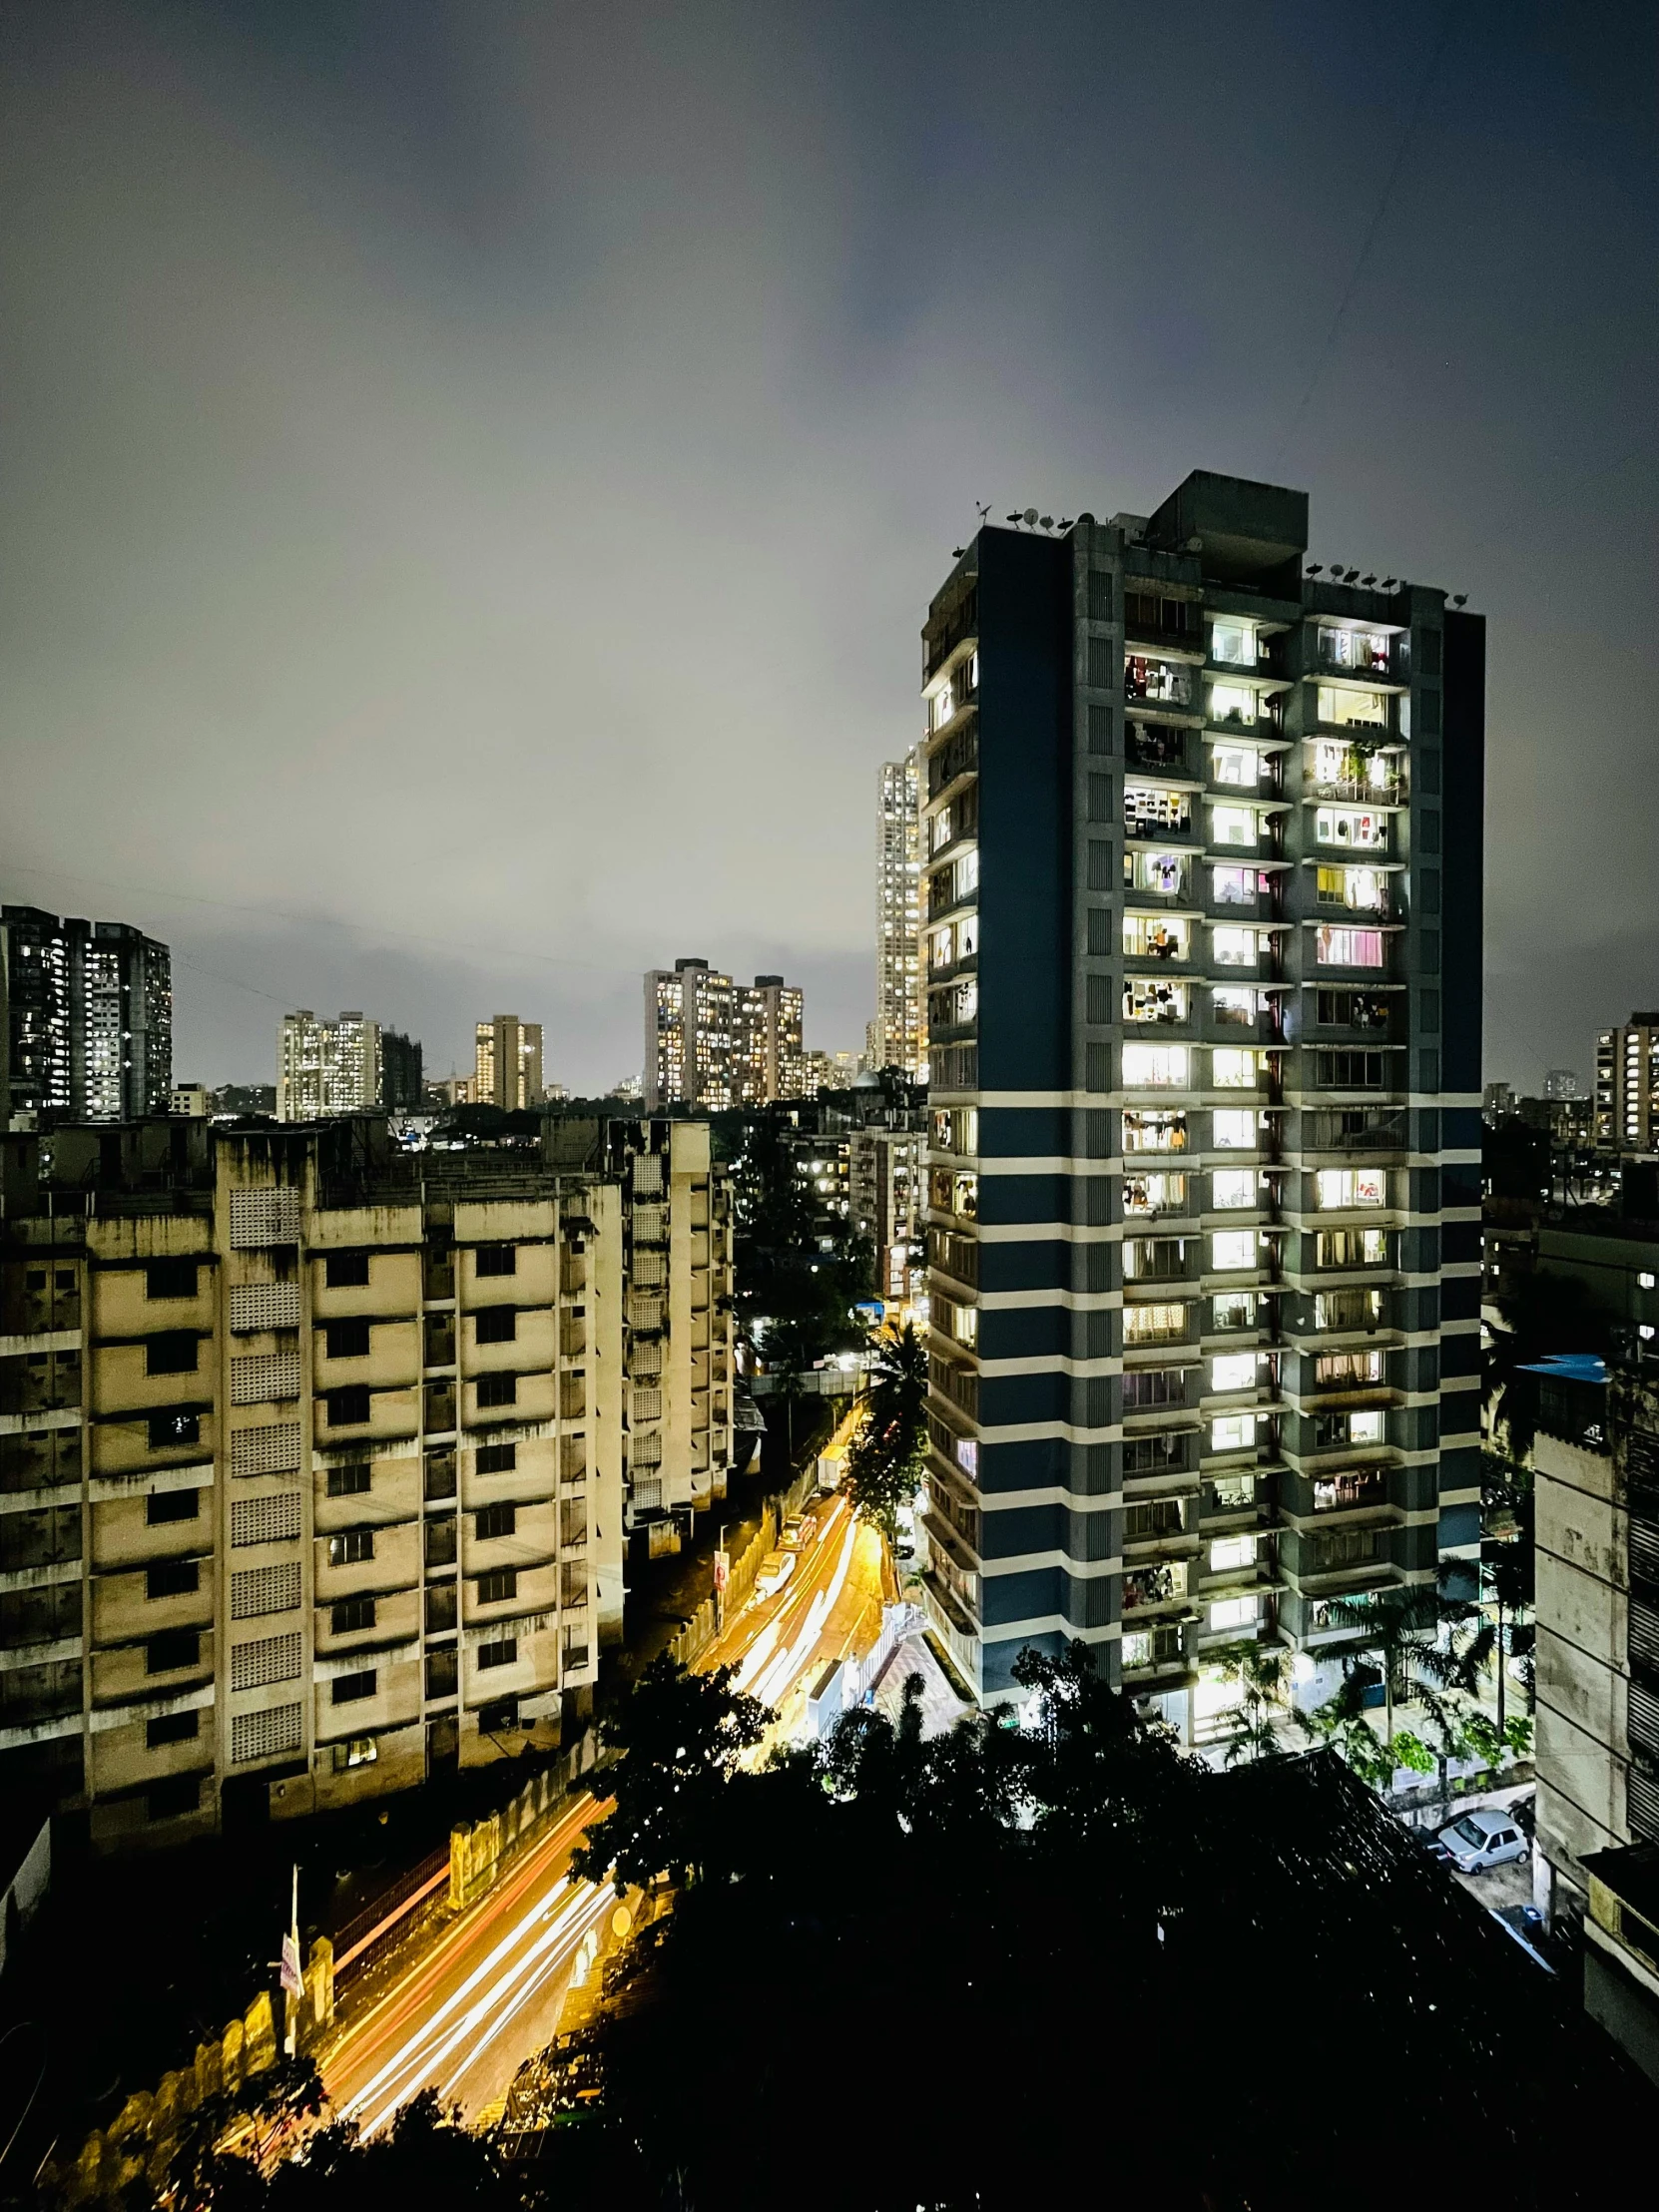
point(984, 509)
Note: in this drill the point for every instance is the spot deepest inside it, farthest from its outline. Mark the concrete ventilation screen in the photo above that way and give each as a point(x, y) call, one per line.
point(648, 1493)
point(645, 1313)
point(260, 1217)
point(649, 1225)
point(650, 1270)
point(259, 1590)
point(274, 1449)
point(648, 1174)
point(647, 1405)
point(648, 1450)
point(265, 1306)
point(272, 1659)
point(267, 1376)
point(272, 1519)
point(267, 1734)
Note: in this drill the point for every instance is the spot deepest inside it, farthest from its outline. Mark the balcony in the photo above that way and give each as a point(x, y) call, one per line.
point(1159, 682)
point(1156, 744)
point(959, 756)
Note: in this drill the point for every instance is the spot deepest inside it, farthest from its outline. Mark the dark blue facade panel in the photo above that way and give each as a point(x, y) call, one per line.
point(1039, 1462)
point(1012, 1400)
point(1042, 1265)
point(1022, 1528)
point(1024, 1331)
point(1024, 813)
point(1023, 1597)
point(997, 1659)
point(1014, 1198)
point(1024, 1132)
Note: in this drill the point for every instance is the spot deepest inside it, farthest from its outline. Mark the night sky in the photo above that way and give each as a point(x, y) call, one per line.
point(473, 475)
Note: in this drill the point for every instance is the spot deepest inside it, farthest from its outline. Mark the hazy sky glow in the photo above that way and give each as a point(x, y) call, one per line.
point(472, 476)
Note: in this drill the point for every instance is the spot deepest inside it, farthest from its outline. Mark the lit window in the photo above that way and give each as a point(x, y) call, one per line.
point(1152, 938)
point(1232, 1070)
point(1233, 644)
point(1137, 1648)
point(1364, 1428)
point(1155, 1066)
point(1233, 1612)
point(1234, 948)
point(1359, 827)
point(1233, 1248)
point(1232, 702)
point(1363, 889)
point(1233, 1371)
point(1234, 764)
point(1348, 947)
point(1644, 1282)
point(1232, 1129)
point(1233, 1433)
point(1354, 709)
point(1233, 825)
point(1150, 998)
point(1235, 886)
point(1229, 1187)
point(1350, 1187)
point(1229, 1553)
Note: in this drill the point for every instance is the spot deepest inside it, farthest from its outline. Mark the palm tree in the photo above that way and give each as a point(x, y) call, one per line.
point(1260, 1670)
point(1403, 1625)
point(883, 1464)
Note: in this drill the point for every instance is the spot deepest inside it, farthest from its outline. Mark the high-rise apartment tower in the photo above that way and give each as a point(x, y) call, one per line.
point(898, 1038)
point(768, 1057)
point(1627, 1085)
point(688, 1036)
point(509, 1064)
point(326, 1067)
point(1201, 925)
point(89, 1018)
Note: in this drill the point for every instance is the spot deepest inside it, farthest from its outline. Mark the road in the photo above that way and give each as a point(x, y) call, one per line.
point(486, 1991)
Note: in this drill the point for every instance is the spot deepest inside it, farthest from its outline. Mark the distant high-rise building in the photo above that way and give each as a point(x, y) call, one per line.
point(192, 1101)
point(689, 1016)
point(1627, 1085)
point(326, 1067)
point(403, 1086)
point(507, 1070)
point(89, 1018)
point(898, 1037)
point(1216, 1368)
point(769, 1061)
point(1563, 1083)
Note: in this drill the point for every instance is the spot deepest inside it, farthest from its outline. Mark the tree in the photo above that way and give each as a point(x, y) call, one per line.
point(1509, 1564)
point(885, 1461)
point(1402, 1627)
point(1260, 1671)
point(680, 1736)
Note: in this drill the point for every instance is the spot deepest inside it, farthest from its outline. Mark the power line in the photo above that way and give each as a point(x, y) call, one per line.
point(1370, 237)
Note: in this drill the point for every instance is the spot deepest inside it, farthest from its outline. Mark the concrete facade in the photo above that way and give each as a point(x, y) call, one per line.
point(1200, 915)
point(313, 1454)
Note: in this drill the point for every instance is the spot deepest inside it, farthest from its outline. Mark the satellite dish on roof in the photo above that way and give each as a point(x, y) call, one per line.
point(1030, 516)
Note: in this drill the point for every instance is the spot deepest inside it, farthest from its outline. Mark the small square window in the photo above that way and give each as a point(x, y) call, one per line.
point(496, 1259)
point(351, 1481)
point(351, 1689)
point(170, 1506)
point(498, 1389)
point(171, 1428)
point(174, 1353)
point(502, 1654)
point(348, 1409)
point(497, 1458)
point(495, 1521)
point(170, 1279)
point(348, 1340)
point(346, 1271)
point(350, 1548)
point(171, 1578)
point(173, 1649)
point(496, 1325)
point(171, 1728)
point(497, 1588)
point(352, 1616)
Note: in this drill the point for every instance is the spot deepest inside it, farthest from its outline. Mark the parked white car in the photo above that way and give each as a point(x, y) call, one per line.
point(1490, 1837)
point(776, 1569)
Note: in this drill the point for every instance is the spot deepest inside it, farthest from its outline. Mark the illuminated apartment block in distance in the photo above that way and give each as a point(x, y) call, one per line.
point(688, 1036)
point(87, 1010)
point(1202, 905)
point(326, 1067)
point(1627, 1085)
point(768, 1059)
point(507, 1064)
point(897, 1038)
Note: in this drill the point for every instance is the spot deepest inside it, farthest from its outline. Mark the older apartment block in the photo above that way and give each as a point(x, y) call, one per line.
point(311, 1462)
point(1201, 917)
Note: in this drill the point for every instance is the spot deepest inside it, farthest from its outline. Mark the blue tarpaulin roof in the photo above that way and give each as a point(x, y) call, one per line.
point(1570, 1366)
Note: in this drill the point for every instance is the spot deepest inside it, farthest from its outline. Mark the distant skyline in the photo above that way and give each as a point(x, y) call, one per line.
point(472, 476)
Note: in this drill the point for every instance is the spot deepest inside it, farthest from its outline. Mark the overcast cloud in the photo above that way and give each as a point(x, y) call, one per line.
point(473, 475)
